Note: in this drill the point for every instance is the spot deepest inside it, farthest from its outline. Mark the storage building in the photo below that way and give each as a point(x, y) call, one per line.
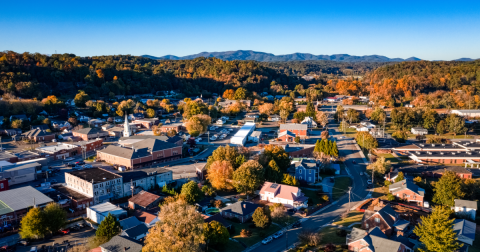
point(241, 136)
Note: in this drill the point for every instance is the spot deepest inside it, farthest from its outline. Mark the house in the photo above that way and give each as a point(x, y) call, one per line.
point(15, 203)
point(11, 132)
point(408, 191)
point(136, 116)
point(242, 210)
point(289, 196)
point(300, 130)
point(298, 150)
point(133, 228)
point(228, 102)
point(148, 217)
point(306, 170)
point(90, 133)
point(310, 122)
point(147, 123)
point(218, 218)
point(386, 219)
point(39, 135)
point(98, 212)
point(376, 241)
point(144, 179)
point(144, 200)
point(287, 136)
point(269, 97)
point(465, 230)
point(467, 207)
point(96, 123)
point(122, 244)
point(129, 222)
point(331, 99)
point(419, 131)
point(78, 200)
point(172, 126)
point(274, 118)
point(255, 136)
point(18, 117)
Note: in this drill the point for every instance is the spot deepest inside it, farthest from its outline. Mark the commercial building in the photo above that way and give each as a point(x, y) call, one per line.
point(145, 179)
point(419, 131)
point(98, 212)
point(241, 136)
point(64, 150)
point(15, 203)
point(147, 123)
point(97, 183)
point(39, 135)
point(20, 172)
point(300, 130)
point(144, 200)
point(466, 112)
point(128, 141)
point(256, 136)
point(90, 133)
point(141, 153)
point(172, 126)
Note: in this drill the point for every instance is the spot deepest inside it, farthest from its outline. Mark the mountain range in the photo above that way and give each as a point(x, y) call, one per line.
point(268, 57)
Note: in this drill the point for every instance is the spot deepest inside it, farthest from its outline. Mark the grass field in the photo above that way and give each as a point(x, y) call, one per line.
point(340, 187)
point(316, 199)
point(329, 235)
point(258, 234)
point(352, 217)
point(389, 157)
point(380, 192)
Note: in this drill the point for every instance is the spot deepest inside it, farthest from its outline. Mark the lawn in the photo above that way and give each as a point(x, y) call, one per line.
point(233, 246)
point(389, 157)
point(340, 187)
point(350, 132)
point(352, 217)
point(316, 199)
point(329, 235)
point(258, 234)
point(380, 192)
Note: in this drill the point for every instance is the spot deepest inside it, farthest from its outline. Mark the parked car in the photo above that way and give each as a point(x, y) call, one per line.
point(80, 163)
point(23, 242)
point(267, 240)
point(64, 231)
point(361, 173)
point(278, 234)
point(77, 168)
point(88, 166)
point(296, 224)
point(71, 164)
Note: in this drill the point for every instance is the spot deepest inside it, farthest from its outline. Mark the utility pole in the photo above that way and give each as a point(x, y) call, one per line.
point(131, 186)
point(349, 197)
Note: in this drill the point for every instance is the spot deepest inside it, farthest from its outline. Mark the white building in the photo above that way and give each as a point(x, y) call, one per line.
point(98, 212)
point(241, 136)
point(255, 136)
point(310, 122)
point(467, 207)
point(419, 131)
point(289, 196)
point(466, 112)
point(145, 179)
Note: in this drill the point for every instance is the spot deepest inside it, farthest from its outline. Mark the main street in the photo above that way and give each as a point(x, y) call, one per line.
point(348, 150)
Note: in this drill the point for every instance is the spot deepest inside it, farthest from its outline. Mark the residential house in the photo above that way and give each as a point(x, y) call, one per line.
point(148, 217)
point(419, 131)
point(99, 212)
point(10, 132)
point(39, 135)
point(301, 108)
point(375, 240)
point(385, 218)
point(122, 244)
point(147, 123)
point(467, 207)
point(144, 200)
point(145, 179)
point(300, 130)
point(274, 118)
point(90, 133)
point(136, 116)
point(242, 210)
point(133, 228)
point(218, 218)
point(309, 122)
point(408, 191)
point(289, 196)
point(18, 117)
point(287, 136)
point(465, 230)
point(306, 170)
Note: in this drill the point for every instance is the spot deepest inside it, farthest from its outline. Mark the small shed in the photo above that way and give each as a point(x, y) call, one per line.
point(255, 136)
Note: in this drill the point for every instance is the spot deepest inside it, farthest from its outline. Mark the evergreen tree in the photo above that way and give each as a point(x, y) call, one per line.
point(261, 218)
point(109, 227)
point(436, 231)
point(335, 149)
point(329, 148)
point(317, 147)
point(447, 189)
point(192, 192)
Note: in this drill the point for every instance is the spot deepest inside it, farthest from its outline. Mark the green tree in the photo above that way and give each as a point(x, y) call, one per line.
point(297, 139)
point(339, 113)
point(109, 227)
point(33, 224)
point(55, 217)
point(273, 172)
point(240, 94)
point(378, 115)
point(150, 113)
point(317, 147)
point(81, 98)
point(277, 153)
point(334, 149)
point(227, 153)
point(441, 128)
point(436, 231)
point(352, 116)
point(216, 234)
point(400, 136)
point(456, 124)
point(248, 177)
point(366, 140)
point(381, 166)
point(430, 119)
point(192, 192)
point(447, 189)
point(399, 177)
point(261, 217)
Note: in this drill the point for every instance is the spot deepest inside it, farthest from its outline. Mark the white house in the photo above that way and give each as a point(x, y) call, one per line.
point(466, 206)
point(465, 230)
point(98, 212)
point(310, 122)
point(255, 136)
point(419, 131)
point(274, 118)
point(289, 196)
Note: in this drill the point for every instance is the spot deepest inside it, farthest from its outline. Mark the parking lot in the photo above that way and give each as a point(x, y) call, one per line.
point(218, 131)
point(74, 238)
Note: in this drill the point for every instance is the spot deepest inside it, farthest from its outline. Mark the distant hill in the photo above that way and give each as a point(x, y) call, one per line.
point(268, 57)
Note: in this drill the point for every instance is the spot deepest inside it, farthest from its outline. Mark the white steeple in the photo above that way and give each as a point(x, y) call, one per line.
point(126, 127)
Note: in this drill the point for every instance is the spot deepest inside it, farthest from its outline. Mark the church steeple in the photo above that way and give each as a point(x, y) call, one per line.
point(126, 127)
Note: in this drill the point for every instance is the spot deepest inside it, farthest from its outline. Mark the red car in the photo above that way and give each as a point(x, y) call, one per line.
point(64, 231)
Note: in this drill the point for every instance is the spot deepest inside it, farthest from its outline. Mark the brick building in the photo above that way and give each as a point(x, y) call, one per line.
point(90, 133)
point(97, 183)
point(64, 150)
point(141, 153)
point(429, 171)
point(15, 203)
point(300, 130)
point(287, 136)
point(127, 141)
point(173, 126)
point(39, 135)
point(78, 200)
point(408, 191)
point(146, 123)
point(375, 240)
point(385, 219)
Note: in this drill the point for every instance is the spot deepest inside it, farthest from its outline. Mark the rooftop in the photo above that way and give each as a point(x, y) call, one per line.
point(23, 198)
point(466, 203)
point(293, 126)
point(54, 148)
point(70, 193)
point(129, 222)
point(122, 244)
point(144, 199)
point(97, 175)
point(241, 208)
point(465, 228)
point(138, 149)
point(106, 207)
point(89, 131)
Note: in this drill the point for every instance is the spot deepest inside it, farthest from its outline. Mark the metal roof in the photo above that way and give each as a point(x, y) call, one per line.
point(23, 198)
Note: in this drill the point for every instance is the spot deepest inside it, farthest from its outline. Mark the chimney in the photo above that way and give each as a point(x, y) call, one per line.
point(244, 205)
point(124, 249)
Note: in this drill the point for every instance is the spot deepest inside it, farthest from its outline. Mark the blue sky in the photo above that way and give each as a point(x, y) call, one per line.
point(430, 30)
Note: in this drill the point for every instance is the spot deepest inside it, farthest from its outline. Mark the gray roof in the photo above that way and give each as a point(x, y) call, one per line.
point(293, 126)
point(465, 228)
point(379, 242)
point(141, 148)
point(241, 208)
point(122, 244)
point(97, 175)
point(23, 197)
point(466, 203)
point(136, 231)
point(357, 234)
point(401, 224)
point(90, 131)
point(129, 222)
point(37, 133)
point(307, 164)
point(406, 184)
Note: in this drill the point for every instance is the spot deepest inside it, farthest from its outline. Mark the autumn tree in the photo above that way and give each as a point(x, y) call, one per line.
point(150, 113)
point(191, 192)
point(381, 166)
point(430, 119)
point(180, 228)
point(352, 116)
point(366, 140)
point(33, 224)
point(276, 153)
point(198, 124)
point(240, 94)
point(447, 189)
point(125, 107)
point(266, 108)
point(16, 124)
point(81, 98)
point(229, 94)
point(378, 115)
point(322, 118)
point(436, 231)
point(227, 153)
point(261, 217)
point(400, 136)
point(273, 172)
point(290, 180)
point(441, 127)
point(216, 234)
point(339, 113)
point(248, 177)
point(109, 227)
point(220, 175)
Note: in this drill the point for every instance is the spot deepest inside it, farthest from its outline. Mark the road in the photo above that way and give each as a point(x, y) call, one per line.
point(316, 221)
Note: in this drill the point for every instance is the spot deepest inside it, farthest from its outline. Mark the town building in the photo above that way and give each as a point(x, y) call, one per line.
point(429, 171)
point(300, 130)
point(375, 240)
point(20, 172)
point(228, 102)
point(121, 244)
point(78, 201)
point(466, 207)
point(385, 218)
point(287, 136)
point(242, 210)
point(144, 200)
point(87, 134)
point(146, 179)
point(127, 141)
point(99, 212)
point(407, 190)
point(298, 150)
point(419, 131)
point(97, 183)
point(8, 157)
point(465, 231)
point(133, 228)
point(141, 153)
point(147, 123)
point(148, 217)
point(15, 203)
point(306, 170)
point(172, 126)
point(469, 113)
point(289, 196)
point(39, 135)
point(241, 136)
point(459, 157)
point(256, 136)
point(66, 150)
point(309, 122)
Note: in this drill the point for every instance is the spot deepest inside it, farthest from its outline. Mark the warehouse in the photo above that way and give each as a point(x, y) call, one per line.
point(466, 112)
point(241, 136)
point(20, 172)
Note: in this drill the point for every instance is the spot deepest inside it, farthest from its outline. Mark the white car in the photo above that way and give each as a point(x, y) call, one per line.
point(267, 240)
point(369, 182)
point(213, 138)
point(277, 234)
point(361, 173)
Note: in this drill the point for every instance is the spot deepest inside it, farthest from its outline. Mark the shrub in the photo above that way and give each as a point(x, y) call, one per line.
point(417, 179)
point(341, 233)
point(390, 197)
point(325, 197)
point(218, 204)
point(245, 233)
point(330, 248)
point(387, 182)
point(310, 238)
